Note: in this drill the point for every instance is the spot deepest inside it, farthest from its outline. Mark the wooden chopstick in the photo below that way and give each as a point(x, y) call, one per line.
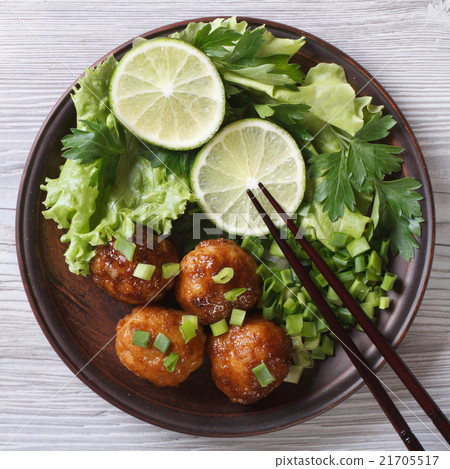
point(419, 393)
point(392, 413)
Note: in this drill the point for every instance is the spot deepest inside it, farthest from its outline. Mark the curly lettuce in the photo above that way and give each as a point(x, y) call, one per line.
point(90, 213)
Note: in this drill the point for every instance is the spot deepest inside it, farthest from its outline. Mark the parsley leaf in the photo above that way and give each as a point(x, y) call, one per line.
point(360, 162)
point(247, 46)
point(177, 162)
point(335, 186)
point(372, 160)
point(214, 43)
point(97, 143)
point(396, 213)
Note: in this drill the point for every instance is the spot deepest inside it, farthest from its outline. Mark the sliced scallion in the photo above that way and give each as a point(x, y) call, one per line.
point(187, 331)
point(253, 246)
point(224, 276)
point(237, 317)
point(144, 271)
point(275, 250)
point(309, 329)
point(263, 374)
point(170, 362)
point(125, 247)
point(327, 345)
point(170, 269)
point(384, 302)
point(358, 246)
point(141, 338)
point(294, 324)
point(339, 240)
point(358, 290)
point(190, 318)
point(318, 354)
point(219, 328)
point(294, 374)
point(375, 263)
point(161, 343)
point(232, 295)
point(388, 281)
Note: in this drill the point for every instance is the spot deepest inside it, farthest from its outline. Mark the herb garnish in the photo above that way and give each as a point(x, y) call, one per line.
point(360, 166)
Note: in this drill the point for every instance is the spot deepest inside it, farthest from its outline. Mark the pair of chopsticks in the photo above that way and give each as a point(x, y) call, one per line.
point(403, 372)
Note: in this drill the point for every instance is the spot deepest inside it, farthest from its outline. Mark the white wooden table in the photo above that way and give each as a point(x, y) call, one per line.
point(45, 44)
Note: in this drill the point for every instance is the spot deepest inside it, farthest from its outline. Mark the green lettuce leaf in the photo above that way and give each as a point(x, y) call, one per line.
point(331, 98)
point(89, 212)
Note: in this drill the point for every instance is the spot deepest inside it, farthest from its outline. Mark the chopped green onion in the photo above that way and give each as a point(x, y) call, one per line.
point(339, 240)
point(358, 290)
point(374, 264)
point(144, 271)
point(358, 246)
point(219, 328)
point(311, 312)
point(327, 345)
point(305, 292)
point(141, 338)
point(263, 374)
point(372, 276)
point(233, 294)
point(125, 247)
point(190, 318)
point(388, 281)
point(237, 317)
point(275, 250)
point(360, 264)
point(187, 331)
point(372, 297)
point(170, 362)
point(340, 261)
point(347, 276)
point(294, 324)
point(309, 329)
point(345, 316)
point(286, 277)
point(312, 342)
point(170, 269)
point(384, 302)
point(321, 325)
point(224, 276)
point(318, 354)
point(253, 246)
point(290, 306)
point(320, 279)
point(384, 250)
point(161, 343)
point(263, 272)
point(369, 309)
point(332, 297)
point(294, 374)
point(301, 298)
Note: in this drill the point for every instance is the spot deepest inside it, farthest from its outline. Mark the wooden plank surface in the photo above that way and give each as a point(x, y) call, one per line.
point(44, 45)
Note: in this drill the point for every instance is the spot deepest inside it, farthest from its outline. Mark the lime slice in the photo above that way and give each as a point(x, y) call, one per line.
point(168, 93)
point(237, 158)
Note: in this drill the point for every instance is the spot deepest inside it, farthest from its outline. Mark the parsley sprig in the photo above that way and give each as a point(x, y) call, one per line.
point(234, 53)
point(98, 143)
point(361, 166)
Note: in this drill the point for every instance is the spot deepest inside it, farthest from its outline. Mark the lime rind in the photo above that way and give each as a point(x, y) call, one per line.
point(168, 93)
point(235, 159)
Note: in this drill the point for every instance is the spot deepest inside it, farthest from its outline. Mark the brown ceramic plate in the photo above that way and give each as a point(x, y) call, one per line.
point(78, 319)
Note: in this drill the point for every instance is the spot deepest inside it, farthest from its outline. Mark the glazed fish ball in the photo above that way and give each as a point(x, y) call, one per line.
point(211, 278)
point(236, 353)
point(114, 273)
point(148, 362)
